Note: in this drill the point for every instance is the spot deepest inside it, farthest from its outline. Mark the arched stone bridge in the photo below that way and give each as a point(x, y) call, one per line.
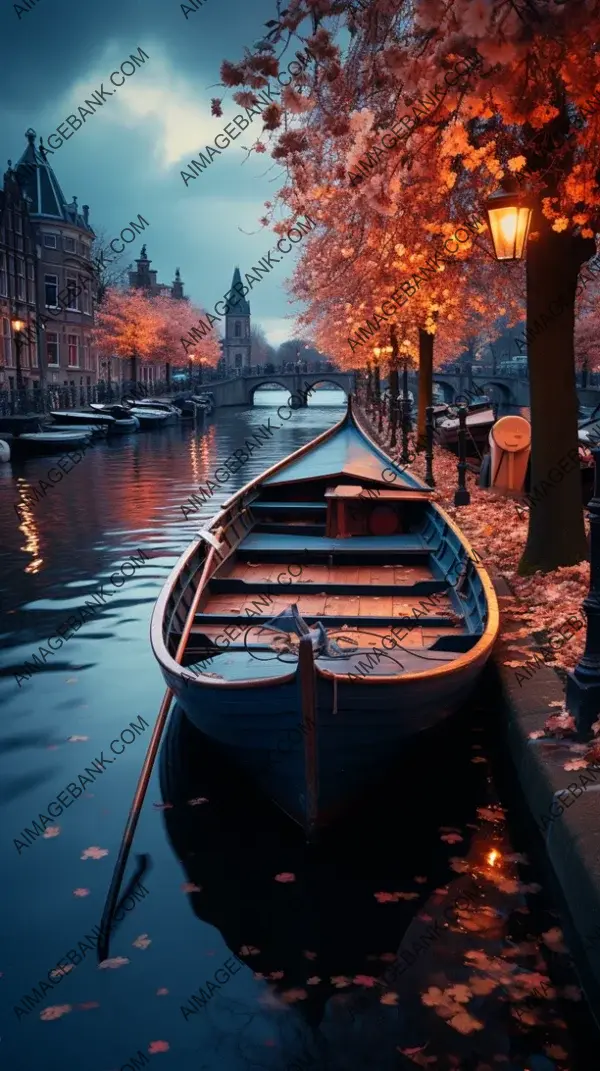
point(240, 390)
point(506, 390)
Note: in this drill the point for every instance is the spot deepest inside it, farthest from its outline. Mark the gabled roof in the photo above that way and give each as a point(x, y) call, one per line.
point(38, 181)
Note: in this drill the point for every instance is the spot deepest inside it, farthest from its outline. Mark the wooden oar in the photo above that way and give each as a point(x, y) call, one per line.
point(110, 905)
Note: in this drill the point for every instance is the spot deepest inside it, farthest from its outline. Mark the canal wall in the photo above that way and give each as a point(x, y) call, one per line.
point(562, 804)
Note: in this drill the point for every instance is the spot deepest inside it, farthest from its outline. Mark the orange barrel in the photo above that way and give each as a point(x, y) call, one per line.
point(510, 447)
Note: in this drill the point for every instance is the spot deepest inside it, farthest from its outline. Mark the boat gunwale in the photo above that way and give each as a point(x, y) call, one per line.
point(157, 640)
point(479, 652)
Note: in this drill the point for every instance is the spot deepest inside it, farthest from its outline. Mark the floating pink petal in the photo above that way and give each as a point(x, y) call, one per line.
point(575, 764)
point(537, 734)
point(309, 955)
point(290, 996)
point(162, 992)
point(76, 739)
point(81, 892)
point(51, 831)
point(189, 887)
point(143, 941)
point(451, 838)
point(314, 980)
point(87, 1005)
point(58, 972)
point(113, 964)
point(94, 853)
point(158, 1046)
point(285, 877)
point(385, 897)
point(249, 950)
point(389, 998)
point(56, 1011)
point(364, 979)
point(198, 801)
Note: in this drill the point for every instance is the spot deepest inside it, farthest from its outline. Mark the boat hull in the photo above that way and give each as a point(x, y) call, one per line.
point(41, 444)
point(360, 734)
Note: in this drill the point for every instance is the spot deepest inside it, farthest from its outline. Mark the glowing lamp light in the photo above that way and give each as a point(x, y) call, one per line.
point(492, 856)
point(18, 326)
point(509, 217)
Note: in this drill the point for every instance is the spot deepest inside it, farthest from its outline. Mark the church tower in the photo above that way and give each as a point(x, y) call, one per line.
point(236, 344)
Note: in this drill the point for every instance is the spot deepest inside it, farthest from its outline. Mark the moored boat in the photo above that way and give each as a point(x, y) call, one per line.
point(480, 420)
point(371, 622)
point(41, 443)
point(72, 416)
point(146, 405)
point(123, 421)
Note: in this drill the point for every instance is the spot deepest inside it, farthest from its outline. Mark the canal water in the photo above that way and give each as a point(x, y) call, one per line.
point(418, 934)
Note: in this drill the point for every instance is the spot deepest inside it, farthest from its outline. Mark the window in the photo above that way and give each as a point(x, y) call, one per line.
point(31, 283)
point(51, 288)
point(51, 347)
point(85, 296)
point(86, 353)
point(20, 279)
point(69, 245)
point(72, 302)
point(6, 342)
point(18, 223)
point(238, 360)
point(3, 290)
point(238, 329)
point(73, 345)
point(50, 241)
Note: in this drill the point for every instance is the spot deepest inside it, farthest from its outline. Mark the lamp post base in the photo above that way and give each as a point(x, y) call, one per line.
point(462, 497)
point(583, 702)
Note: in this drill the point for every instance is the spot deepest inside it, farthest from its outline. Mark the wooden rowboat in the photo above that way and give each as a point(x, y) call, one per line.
point(407, 616)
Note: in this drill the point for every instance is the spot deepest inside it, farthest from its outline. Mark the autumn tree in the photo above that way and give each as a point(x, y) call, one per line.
point(521, 106)
point(128, 325)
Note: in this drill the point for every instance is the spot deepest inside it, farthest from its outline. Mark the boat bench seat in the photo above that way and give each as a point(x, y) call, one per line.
point(292, 506)
point(264, 542)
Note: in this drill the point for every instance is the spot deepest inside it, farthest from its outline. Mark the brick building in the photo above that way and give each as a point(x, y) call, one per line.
point(18, 273)
point(64, 278)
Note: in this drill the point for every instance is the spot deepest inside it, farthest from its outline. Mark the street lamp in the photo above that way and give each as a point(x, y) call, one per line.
point(18, 326)
point(192, 357)
point(509, 215)
point(376, 376)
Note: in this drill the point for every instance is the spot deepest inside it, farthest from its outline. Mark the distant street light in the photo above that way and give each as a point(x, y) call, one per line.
point(18, 327)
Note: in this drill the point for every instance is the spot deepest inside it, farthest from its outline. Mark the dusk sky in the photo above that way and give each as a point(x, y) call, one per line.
point(127, 158)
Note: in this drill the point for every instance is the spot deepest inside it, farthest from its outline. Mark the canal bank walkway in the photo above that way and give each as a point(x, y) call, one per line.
point(542, 636)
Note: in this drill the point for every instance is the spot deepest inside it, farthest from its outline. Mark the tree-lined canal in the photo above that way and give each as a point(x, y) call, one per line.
point(417, 934)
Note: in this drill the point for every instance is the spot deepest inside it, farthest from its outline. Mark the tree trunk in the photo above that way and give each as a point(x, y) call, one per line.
point(556, 535)
point(425, 384)
point(168, 374)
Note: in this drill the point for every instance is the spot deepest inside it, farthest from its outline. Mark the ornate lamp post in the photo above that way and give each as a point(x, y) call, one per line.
point(377, 378)
point(583, 684)
point(405, 411)
point(462, 496)
point(191, 359)
point(18, 326)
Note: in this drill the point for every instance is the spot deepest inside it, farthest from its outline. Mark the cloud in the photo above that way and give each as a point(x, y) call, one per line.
point(277, 330)
point(168, 106)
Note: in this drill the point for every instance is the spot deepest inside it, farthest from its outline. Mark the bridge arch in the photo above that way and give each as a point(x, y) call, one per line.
point(268, 381)
point(497, 391)
point(326, 380)
point(447, 387)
